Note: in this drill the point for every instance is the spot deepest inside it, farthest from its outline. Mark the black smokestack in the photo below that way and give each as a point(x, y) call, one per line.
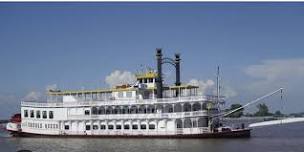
point(177, 69)
point(159, 81)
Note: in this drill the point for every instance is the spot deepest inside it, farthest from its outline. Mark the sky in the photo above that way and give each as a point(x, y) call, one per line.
point(258, 46)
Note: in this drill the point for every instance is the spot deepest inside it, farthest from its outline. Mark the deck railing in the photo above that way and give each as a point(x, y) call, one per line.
point(115, 102)
point(140, 116)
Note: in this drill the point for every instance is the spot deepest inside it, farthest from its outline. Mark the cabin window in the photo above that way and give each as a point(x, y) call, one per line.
point(51, 114)
point(151, 126)
point(38, 114)
point(150, 80)
point(102, 127)
point(25, 113)
point(140, 81)
point(129, 94)
point(87, 112)
point(110, 127)
point(126, 127)
point(145, 80)
point(88, 127)
point(135, 127)
point(44, 115)
point(66, 127)
point(143, 127)
point(32, 113)
point(118, 126)
point(120, 94)
point(95, 127)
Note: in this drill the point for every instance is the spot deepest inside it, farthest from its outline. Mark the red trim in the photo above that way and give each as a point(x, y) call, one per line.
point(242, 133)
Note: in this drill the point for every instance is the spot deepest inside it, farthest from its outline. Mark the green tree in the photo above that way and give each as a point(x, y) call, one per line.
point(238, 113)
point(278, 114)
point(262, 110)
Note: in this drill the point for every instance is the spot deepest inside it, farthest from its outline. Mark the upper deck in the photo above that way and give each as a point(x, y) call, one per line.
point(128, 102)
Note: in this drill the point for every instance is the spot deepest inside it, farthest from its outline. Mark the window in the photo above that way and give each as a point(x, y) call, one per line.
point(129, 94)
point(44, 115)
point(25, 113)
point(151, 126)
point(51, 115)
point(118, 126)
point(150, 80)
point(135, 127)
point(95, 127)
point(145, 80)
point(126, 127)
point(120, 94)
point(110, 127)
point(38, 114)
point(87, 112)
point(88, 127)
point(32, 113)
point(66, 127)
point(102, 127)
point(143, 127)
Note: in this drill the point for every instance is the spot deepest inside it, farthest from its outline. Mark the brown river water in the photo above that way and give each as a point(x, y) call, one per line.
point(281, 138)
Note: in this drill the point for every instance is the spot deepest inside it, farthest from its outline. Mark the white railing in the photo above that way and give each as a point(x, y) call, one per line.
point(139, 116)
point(115, 132)
point(115, 102)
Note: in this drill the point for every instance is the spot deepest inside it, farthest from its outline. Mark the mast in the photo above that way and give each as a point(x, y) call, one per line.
point(218, 87)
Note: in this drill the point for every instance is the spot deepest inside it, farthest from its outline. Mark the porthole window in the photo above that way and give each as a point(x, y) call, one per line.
point(32, 113)
point(102, 127)
point(126, 127)
point(151, 127)
point(25, 113)
point(44, 114)
point(87, 112)
point(118, 127)
point(38, 114)
point(95, 127)
point(51, 114)
point(111, 127)
point(143, 127)
point(135, 127)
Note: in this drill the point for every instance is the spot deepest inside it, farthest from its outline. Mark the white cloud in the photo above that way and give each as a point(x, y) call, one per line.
point(204, 86)
point(272, 74)
point(33, 96)
point(120, 77)
point(51, 87)
point(208, 87)
point(273, 70)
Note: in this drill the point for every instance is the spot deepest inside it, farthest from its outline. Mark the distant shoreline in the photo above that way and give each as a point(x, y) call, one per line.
point(4, 121)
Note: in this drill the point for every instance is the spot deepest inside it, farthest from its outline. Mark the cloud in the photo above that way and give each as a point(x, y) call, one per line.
point(204, 86)
point(33, 96)
point(276, 73)
point(120, 77)
point(208, 87)
point(273, 70)
point(51, 87)
point(272, 74)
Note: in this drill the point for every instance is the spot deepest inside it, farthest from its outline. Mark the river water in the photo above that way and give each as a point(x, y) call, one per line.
point(281, 138)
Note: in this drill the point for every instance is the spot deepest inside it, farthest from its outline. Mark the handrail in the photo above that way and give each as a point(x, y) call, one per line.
point(121, 102)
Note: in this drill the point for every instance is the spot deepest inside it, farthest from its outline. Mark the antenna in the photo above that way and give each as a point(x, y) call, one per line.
point(218, 87)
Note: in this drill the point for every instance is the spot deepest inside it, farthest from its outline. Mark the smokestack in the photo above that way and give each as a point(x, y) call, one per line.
point(159, 81)
point(177, 69)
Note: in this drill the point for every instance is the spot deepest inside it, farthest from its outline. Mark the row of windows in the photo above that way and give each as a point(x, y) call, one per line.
point(144, 80)
point(38, 114)
point(39, 125)
point(117, 127)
